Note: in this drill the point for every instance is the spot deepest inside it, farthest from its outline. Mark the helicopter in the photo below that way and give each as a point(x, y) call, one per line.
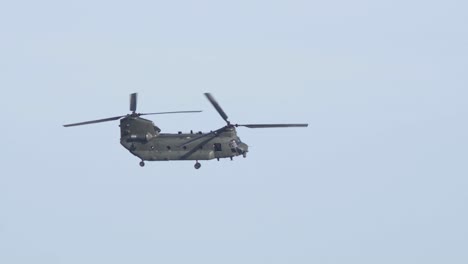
point(142, 138)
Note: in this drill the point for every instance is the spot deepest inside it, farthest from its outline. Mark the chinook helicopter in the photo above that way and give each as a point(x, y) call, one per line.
point(144, 140)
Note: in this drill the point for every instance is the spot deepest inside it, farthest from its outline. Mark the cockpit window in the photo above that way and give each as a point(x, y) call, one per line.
point(233, 144)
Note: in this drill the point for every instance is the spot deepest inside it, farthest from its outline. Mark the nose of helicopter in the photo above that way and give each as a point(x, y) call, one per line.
point(245, 148)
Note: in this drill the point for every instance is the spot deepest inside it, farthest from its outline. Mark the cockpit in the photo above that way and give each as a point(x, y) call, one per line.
point(234, 144)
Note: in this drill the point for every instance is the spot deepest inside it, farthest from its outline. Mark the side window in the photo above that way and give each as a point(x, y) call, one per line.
point(217, 147)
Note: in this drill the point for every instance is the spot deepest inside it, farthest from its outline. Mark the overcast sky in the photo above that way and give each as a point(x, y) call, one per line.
point(379, 176)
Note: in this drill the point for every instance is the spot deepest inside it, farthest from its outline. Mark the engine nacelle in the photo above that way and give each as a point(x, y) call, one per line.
point(140, 138)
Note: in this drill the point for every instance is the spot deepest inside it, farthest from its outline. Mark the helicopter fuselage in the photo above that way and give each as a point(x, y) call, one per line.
point(144, 140)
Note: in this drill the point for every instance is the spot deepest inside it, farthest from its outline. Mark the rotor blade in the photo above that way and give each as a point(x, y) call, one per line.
point(273, 125)
point(133, 102)
point(176, 112)
point(94, 121)
point(217, 106)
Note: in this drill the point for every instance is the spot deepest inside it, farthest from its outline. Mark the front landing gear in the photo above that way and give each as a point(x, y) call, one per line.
point(142, 163)
point(197, 165)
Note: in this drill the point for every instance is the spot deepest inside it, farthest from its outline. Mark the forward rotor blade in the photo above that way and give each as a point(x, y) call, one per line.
point(176, 112)
point(273, 125)
point(217, 107)
point(133, 102)
point(95, 121)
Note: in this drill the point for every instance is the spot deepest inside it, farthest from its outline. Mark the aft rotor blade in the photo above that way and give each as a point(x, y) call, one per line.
point(133, 102)
point(217, 106)
point(175, 112)
point(94, 121)
point(273, 125)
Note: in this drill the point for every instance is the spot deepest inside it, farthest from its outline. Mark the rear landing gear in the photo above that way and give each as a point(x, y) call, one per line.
point(142, 163)
point(197, 165)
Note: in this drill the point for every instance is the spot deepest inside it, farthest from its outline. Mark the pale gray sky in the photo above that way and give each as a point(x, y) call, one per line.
point(380, 175)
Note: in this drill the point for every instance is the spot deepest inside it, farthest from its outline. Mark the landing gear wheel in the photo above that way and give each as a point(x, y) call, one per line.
point(197, 165)
point(142, 163)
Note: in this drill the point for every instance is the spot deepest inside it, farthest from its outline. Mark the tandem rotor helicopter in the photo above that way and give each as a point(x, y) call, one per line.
point(143, 139)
